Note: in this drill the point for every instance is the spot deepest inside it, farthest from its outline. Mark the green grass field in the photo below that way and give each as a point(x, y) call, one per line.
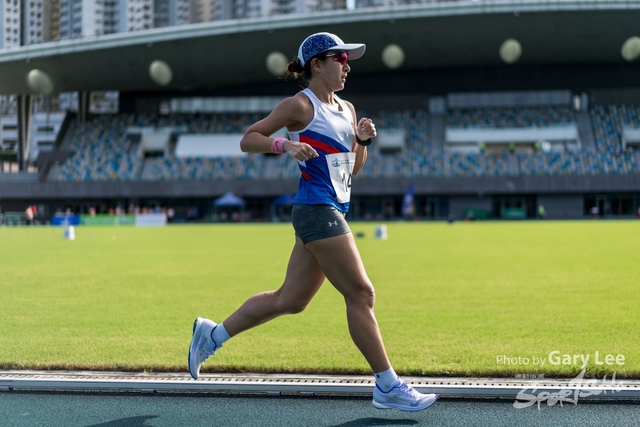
point(451, 299)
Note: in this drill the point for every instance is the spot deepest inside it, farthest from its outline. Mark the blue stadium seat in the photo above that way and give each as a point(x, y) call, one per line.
point(102, 152)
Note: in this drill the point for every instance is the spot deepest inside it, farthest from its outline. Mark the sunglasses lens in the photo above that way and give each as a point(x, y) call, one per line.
point(341, 57)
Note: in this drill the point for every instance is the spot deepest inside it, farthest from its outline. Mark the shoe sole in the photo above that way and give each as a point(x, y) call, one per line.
point(194, 340)
point(379, 405)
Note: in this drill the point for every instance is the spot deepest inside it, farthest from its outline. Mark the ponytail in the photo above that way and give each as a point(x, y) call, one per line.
point(295, 70)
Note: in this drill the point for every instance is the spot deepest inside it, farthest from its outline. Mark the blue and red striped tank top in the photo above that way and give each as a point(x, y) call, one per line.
point(326, 179)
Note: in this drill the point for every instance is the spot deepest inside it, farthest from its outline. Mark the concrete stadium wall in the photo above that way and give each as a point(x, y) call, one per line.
point(562, 206)
point(27, 189)
point(458, 204)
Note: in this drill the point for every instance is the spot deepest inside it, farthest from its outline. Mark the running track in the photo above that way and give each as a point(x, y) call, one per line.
point(93, 409)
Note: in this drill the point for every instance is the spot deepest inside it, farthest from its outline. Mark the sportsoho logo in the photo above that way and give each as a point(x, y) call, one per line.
point(576, 389)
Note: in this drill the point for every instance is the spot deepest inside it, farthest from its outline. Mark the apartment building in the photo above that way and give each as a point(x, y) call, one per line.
point(10, 23)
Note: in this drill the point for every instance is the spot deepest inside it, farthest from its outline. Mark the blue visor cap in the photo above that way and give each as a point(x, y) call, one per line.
point(322, 42)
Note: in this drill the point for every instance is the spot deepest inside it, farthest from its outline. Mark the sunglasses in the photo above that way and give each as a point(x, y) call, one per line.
point(340, 57)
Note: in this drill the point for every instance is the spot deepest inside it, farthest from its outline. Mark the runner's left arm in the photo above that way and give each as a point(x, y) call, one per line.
point(364, 130)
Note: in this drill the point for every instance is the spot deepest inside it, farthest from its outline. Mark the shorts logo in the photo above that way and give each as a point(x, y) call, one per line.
point(333, 223)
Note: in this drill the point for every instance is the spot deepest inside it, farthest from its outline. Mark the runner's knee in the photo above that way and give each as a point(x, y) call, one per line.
point(289, 305)
point(296, 307)
point(363, 294)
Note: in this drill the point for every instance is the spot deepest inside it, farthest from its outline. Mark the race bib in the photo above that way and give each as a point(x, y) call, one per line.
point(340, 170)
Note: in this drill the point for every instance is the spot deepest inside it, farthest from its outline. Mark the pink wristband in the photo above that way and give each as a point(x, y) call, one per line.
point(277, 145)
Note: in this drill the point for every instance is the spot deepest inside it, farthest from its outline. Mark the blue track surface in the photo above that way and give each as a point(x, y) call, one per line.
point(22, 409)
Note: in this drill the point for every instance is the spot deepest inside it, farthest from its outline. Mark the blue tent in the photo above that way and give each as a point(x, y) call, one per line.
point(229, 199)
point(281, 208)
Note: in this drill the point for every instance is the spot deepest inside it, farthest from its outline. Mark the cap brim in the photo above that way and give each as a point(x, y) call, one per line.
point(355, 50)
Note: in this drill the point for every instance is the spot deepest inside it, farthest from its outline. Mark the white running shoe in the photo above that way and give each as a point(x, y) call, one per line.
point(402, 397)
point(202, 345)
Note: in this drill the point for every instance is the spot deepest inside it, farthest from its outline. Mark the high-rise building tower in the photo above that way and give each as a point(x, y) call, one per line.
point(203, 10)
point(10, 23)
point(133, 15)
point(36, 21)
point(81, 18)
point(234, 9)
point(54, 19)
point(171, 12)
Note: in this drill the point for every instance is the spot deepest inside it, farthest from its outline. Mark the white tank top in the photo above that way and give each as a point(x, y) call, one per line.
point(326, 179)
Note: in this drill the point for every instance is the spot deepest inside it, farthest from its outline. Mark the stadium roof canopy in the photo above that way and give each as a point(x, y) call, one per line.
point(433, 36)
